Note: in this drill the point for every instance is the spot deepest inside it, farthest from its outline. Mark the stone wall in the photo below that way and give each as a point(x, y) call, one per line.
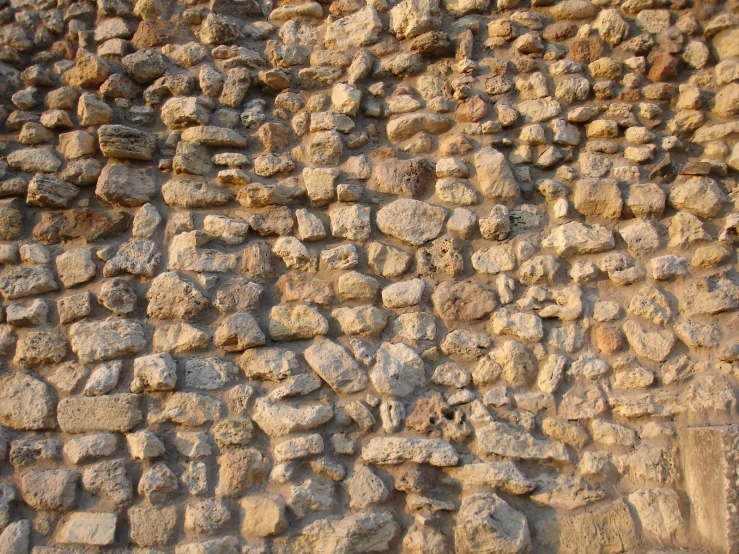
point(361, 277)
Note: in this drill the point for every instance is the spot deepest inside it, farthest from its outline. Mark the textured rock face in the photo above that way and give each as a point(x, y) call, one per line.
point(419, 276)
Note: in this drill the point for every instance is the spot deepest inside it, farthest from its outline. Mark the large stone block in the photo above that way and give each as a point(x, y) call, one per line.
point(711, 470)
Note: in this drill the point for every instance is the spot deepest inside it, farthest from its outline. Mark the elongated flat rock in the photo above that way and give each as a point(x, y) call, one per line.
point(396, 450)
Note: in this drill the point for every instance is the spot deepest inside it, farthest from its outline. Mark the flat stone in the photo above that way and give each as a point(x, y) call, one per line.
point(88, 528)
point(113, 413)
point(411, 221)
point(95, 341)
point(396, 450)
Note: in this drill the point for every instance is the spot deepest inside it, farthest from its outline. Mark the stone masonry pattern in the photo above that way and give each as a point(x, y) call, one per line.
point(355, 276)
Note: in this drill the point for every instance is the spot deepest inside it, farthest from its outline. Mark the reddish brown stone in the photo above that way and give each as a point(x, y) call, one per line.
point(587, 51)
point(559, 31)
point(154, 33)
point(609, 340)
point(473, 109)
point(86, 224)
point(274, 136)
point(664, 68)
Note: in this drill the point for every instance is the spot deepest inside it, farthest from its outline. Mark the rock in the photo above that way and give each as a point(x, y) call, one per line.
point(709, 295)
point(411, 18)
point(396, 450)
point(48, 192)
point(269, 364)
point(125, 143)
point(156, 372)
point(411, 221)
point(238, 332)
point(598, 197)
point(610, 527)
point(486, 523)
point(397, 371)
point(405, 126)
point(96, 341)
point(335, 366)
point(504, 440)
point(464, 300)
point(495, 177)
point(352, 534)
point(172, 297)
point(75, 267)
point(404, 177)
point(34, 160)
point(264, 515)
point(190, 193)
point(238, 469)
point(19, 282)
point(123, 185)
point(280, 420)
point(113, 413)
point(87, 528)
point(26, 403)
point(358, 29)
point(296, 323)
point(152, 526)
point(659, 514)
point(576, 238)
point(700, 196)
point(500, 475)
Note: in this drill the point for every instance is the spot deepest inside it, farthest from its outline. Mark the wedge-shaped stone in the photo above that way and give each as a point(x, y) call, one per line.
point(498, 475)
point(335, 366)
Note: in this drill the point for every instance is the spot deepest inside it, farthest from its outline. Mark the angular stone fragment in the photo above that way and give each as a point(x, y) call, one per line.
point(411, 221)
point(19, 282)
point(358, 29)
point(263, 515)
point(172, 297)
point(48, 192)
point(95, 341)
point(487, 524)
point(575, 238)
point(123, 185)
point(355, 533)
point(397, 371)
point(495, 177)
point(499, 475)
point(504, 440)
point(278, 420)
point(396, 450)
point(335, 366)
point(137, 256)
point(113, 413)
point(296, 322)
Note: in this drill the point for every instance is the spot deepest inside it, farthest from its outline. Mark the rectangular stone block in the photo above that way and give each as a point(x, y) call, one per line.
point(711, 469)
point(117, 412)
point(93, 528)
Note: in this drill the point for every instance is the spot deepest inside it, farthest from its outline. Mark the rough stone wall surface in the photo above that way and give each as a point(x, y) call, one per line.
point(352, 277)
